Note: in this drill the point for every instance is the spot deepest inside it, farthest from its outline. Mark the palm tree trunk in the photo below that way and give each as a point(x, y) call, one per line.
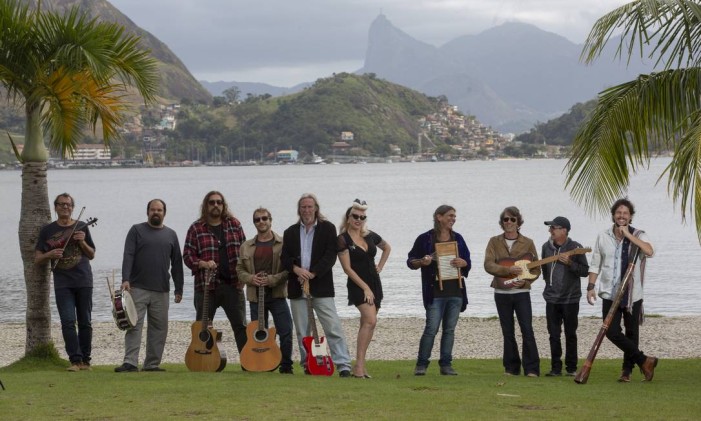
point(35, 213)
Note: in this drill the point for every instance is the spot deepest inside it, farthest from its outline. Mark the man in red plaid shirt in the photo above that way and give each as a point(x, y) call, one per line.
point(213, 242)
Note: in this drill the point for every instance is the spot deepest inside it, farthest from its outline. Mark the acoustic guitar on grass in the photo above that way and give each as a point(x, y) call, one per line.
point(319, 361)
point(204, 353)
point(261, 352)
point(526, 263)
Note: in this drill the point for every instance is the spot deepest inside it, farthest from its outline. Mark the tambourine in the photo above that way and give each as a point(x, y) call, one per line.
point(124, 310)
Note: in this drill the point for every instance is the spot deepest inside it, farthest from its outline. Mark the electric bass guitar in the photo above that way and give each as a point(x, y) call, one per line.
point(526, 264)
point(261, 352)
point(204, 354)
point(319, 361)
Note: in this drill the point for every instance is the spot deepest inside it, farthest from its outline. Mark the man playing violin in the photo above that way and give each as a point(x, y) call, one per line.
point(70, 255)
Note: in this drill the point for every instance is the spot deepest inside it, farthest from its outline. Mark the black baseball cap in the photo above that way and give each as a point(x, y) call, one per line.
point(559, 221)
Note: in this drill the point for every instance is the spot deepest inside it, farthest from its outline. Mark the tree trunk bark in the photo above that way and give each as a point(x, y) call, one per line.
point(35, 213)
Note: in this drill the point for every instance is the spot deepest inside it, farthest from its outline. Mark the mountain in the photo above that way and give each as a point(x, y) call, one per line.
point(509, 76)
point(176, 80)
point(252, 88)
point(378, 112)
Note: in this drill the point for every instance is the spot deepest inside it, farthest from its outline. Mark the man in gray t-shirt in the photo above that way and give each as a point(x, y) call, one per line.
point(150, 251)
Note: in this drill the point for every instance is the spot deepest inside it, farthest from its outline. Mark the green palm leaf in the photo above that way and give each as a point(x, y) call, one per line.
point(655, 112)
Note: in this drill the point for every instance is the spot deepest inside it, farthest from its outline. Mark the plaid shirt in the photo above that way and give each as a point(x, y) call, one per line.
point(202, 244)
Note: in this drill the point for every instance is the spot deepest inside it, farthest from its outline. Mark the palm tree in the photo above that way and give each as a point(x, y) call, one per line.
point(655, 112)
point(69, 72)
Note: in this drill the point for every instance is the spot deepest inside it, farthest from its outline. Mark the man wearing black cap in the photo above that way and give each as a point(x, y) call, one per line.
point(563, 290)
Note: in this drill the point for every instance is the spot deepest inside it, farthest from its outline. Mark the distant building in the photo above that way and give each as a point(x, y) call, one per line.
point(347, 136)
point(288, 155)
point(86, 152)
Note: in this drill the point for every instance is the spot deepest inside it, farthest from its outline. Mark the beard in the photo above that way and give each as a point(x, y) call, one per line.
point(215, 213)
point(155, 220)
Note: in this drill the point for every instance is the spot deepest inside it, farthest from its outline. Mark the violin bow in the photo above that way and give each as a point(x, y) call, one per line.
point(77, 221)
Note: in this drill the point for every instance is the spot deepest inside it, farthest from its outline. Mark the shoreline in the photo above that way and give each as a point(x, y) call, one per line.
point(394, 339)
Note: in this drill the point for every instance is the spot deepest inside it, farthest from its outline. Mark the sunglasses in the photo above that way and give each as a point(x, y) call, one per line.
point(215, 202)
point(509, 219)
point(63, 205)
point(357, 217)
point(260, 218)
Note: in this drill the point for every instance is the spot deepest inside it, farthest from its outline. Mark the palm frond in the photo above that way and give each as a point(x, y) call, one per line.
point(684, 171)
point(630, 120)
point(671, 28)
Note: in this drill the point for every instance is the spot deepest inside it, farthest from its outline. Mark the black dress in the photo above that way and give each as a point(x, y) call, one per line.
point(363, 263)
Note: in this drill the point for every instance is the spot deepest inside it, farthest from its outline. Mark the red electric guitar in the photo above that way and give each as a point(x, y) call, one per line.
point(319, 361)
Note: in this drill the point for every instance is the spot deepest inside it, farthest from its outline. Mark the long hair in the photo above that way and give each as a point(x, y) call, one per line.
point(513, 211)
point(623, 202)
point(317, 211)
point(225, 207)
point(345, 220)
point(441, 210)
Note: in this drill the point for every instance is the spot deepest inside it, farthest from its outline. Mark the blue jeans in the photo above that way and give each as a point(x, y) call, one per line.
point(75, 305)
point(447, 311)
point(325, 310)
point(283, 324)
point(507, 305)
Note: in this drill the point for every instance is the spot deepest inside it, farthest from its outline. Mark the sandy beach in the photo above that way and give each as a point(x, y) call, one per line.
point(394, 339)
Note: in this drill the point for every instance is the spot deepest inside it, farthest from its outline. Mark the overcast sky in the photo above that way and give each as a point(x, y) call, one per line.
point(285, 42)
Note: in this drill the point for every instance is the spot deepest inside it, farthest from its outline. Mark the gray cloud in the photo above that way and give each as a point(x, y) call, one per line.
point(287, 42)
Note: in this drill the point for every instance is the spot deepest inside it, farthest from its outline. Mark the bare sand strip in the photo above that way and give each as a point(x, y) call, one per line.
point(394, 339)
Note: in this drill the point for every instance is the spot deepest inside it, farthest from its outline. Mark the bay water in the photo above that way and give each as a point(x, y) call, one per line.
point(401, 198)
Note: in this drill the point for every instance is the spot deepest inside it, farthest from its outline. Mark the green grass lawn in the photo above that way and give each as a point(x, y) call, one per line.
point(45, 391)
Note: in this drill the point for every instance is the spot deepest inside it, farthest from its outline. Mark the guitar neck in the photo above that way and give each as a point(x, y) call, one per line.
point(555, 257)
point(208, 276)
point(261, 309)
point(312, 322)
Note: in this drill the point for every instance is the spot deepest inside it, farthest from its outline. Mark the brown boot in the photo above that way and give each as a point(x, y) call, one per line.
point(648, 368)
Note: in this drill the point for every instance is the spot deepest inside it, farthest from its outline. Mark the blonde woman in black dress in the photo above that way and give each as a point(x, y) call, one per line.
point(357, 247)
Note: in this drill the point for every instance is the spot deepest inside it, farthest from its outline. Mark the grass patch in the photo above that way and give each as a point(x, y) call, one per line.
point(394, 393)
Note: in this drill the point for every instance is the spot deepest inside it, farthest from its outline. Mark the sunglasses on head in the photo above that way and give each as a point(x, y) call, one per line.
point(215, 202)
point(358, 217)
point(509, 219)
point(260, 218)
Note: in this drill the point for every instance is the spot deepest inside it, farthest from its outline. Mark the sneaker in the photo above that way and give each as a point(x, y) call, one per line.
point(532, 375)
point(420, 370)
point(126, 367)
point(448, 370)
point(571, 373)
point(286, 370)
point(344, 373)
point(74, 367)
point(85, 366)
point(553, 374)
point(625, 377)
point(153, 369)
